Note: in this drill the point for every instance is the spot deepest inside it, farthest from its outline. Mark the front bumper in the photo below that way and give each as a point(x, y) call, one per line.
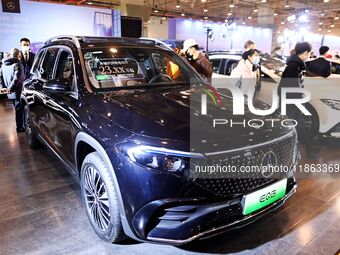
point(177, 222)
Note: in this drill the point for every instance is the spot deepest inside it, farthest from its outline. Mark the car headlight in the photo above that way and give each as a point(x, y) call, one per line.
point(159, 158)
point(334, 104)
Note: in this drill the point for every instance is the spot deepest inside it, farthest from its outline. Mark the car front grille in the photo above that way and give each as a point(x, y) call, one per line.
point(231, 184)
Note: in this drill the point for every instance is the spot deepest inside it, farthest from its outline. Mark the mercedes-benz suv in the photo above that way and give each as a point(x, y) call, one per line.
point(117, 112)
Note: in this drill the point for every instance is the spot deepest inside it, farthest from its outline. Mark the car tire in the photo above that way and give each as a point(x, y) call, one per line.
point(31, 135)
point(100, 198)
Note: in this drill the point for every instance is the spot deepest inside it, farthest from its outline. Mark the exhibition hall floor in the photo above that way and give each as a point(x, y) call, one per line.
point(41, 211)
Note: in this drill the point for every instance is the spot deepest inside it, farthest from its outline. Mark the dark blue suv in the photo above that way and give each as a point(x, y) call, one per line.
point(116, 112)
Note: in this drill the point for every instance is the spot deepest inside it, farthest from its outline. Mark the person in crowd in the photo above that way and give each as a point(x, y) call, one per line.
point(291, 54)
point(197, 59)
point(249, 45)
point(246, 72)
point(278, 54)
point(27, 57)
point(312, 55)
point(292, 77)
point(321, 66)
point(11, 81)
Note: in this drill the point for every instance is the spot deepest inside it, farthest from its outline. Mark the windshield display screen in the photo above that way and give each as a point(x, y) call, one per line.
point(109, 67)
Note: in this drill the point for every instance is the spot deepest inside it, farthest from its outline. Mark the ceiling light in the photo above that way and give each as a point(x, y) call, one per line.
point(229, 14)
point(90, 3)
point(163, 18)
point(306, 11)
point(282, 22)
point(250, 17)
point(263, 1)
point(243, 23)
point(275, 14)
point(231, 5)
point(205, 10)
point(322, 14)
point(332, 25)
point(279, 32)
point(336, 18)
point(287, 5)
point(178, 6)
point(320, 29)
point(183, 14)
point(256, 10)
point(325, 1)
point(303, 19)
point(155, 11)
point(320, 23)
point(205, 17)
point(329, 31)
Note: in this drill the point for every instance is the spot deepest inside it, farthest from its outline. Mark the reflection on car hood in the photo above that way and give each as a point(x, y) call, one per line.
point(175, 113)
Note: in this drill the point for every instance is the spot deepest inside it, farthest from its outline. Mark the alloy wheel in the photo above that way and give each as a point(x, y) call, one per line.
point(96, 196)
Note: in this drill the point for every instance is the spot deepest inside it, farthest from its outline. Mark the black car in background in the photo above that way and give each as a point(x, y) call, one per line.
point(116, 112)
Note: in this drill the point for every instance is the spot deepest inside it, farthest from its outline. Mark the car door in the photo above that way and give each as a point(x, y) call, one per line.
point(61, 105)
point(42, 72)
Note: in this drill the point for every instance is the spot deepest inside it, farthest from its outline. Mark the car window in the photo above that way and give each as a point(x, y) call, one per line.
point(132, 66)
point(335, 69)
point(37, 63)
point(216, 65)
point(231, 65)
point(65, 68)
point(48, 63)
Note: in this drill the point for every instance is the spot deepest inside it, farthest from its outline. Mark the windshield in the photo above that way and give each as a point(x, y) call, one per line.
point(120, 67)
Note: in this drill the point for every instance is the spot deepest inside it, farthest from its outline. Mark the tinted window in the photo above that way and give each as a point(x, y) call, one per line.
point(231, 65)
point(37, 63)
point(335, 69)
point(48, 63)
point(216, 65)
point(65, 68)
point(132, 66)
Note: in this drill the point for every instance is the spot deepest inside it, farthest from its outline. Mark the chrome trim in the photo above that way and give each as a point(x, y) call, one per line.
point(72, 38)
point(180, 242)
point(291, 133)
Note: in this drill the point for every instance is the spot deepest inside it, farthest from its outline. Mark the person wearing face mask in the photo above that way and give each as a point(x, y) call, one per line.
point(27, 57)
point(11, 81)
point(197, 59)
point(246, 72)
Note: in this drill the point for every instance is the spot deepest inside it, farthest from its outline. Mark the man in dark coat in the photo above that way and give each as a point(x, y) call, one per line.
point(27, 57)
point(292, 77)
point(11, 81)
point(321, 66)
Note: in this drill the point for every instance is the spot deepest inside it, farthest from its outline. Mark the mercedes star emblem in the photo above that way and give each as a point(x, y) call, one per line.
point(10, 5)
point(268, 160)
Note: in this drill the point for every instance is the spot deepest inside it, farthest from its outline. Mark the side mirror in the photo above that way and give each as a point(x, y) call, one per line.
point(56, 86)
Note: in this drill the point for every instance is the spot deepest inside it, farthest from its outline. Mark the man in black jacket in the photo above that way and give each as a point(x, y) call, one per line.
point(321, 66)
point(27, 57)
point(11, 81)
point(292, 77)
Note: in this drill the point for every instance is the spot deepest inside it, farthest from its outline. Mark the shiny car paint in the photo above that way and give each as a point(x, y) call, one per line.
point(66, 120)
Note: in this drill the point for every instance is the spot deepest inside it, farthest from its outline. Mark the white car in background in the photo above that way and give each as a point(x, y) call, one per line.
point(324, 104)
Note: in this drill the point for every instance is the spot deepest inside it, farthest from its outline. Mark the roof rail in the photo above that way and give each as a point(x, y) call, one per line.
point(72, 38)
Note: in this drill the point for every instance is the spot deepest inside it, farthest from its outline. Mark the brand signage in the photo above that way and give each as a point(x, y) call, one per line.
point(12, 6)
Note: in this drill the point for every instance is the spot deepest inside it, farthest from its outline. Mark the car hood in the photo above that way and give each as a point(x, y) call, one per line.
point(174, 114)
